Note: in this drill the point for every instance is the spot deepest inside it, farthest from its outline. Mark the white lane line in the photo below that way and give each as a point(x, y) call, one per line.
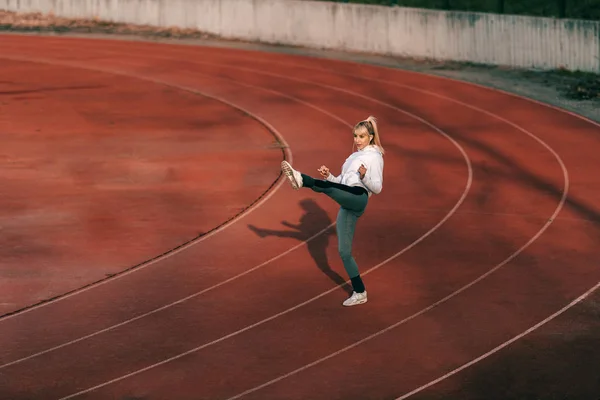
point(162, 308)
point(535, 137)
point(554, 217)
point(236, 219)
point(232, 334)
point(112, 327)
point(535, 237)
point(452, 211)
point(182, 300)
point(407, 319)
point(503, 345)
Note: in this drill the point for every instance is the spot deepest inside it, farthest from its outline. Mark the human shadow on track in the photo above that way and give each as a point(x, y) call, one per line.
point(313, 220)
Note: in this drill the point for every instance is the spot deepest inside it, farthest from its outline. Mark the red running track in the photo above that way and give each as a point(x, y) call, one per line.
point(476, 255)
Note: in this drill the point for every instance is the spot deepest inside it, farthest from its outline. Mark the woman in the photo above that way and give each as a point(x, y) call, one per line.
point(362, 175)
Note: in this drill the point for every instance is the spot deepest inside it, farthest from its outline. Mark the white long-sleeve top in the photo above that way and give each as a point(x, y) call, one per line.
point(372, 159)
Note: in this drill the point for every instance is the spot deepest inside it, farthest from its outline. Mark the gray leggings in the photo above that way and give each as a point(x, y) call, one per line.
point(352, 205)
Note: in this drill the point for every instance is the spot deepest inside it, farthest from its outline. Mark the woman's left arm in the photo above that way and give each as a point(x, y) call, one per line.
point(373, 179)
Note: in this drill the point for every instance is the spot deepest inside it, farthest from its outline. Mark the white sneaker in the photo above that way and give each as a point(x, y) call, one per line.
point(293, 176)
point(356, 299)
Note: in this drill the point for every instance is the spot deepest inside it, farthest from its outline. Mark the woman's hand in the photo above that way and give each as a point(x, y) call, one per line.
point(362, 171)
point(324, 171)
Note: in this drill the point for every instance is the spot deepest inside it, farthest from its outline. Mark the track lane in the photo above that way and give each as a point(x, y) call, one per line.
point(540, 361)
point(156, 290)
point(308, 333)
point(65, 217)
point(129, 303)
point(446, 145)
point(584, 213)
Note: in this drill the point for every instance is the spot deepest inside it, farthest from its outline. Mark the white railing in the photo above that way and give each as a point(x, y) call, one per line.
point(516, 41)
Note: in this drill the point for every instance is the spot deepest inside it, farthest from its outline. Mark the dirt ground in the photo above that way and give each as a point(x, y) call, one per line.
point(575, 91)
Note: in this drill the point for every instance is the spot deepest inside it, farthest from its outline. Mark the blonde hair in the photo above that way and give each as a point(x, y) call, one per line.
point(369, 127)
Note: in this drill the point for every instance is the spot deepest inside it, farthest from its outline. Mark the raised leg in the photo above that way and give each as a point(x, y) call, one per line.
point(351, 198)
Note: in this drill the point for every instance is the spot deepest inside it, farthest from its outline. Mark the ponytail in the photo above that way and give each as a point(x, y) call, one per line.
point(370, 125)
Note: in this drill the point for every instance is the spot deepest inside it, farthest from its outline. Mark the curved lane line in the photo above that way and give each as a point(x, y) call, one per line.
point(256, 204)
point(214, 286)
point(448, 297)
point(563, 199)
point(452, 211)
point(503, 345)
point(182, 300)
point(561, 204)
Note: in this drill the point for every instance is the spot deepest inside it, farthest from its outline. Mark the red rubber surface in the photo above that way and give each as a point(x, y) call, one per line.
point(103, 172)
point(488, 224)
